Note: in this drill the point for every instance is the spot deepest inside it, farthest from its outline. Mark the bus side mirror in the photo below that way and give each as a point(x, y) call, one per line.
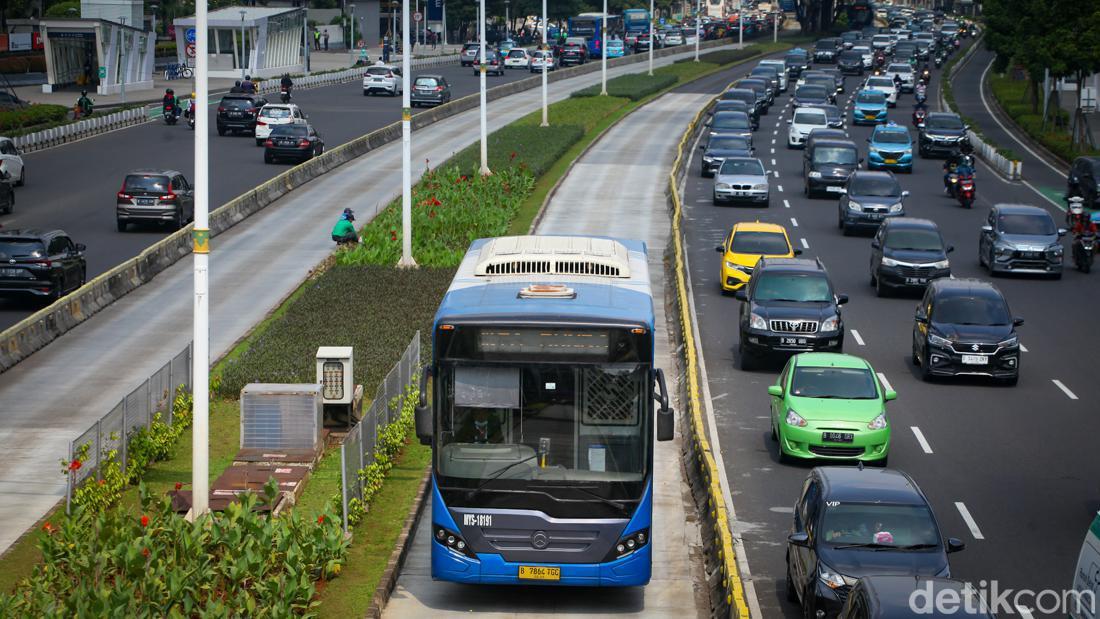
point(422, 414)
point(666, 425)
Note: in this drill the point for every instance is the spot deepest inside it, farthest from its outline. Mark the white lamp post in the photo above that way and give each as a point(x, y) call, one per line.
point(603, 50)
point(243, 62)
point(485, 171)
point(351, 43)
point(200, 348)
point(545, 62)
point(698, 22)
point(406, 142)
point(652, 37)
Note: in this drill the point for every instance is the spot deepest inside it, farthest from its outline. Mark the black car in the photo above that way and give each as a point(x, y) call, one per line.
point(826, 50)
point(238, 112)
point(853, 522)
point(299, 142)
point(823, 79)
point(788, 307)
point(942, 133)
point(869, 199)
point(833, 113)
point(1084, 180)
point(40, 264)
point(827, 165)
point(796, 61)
point(907, 253)
point(850, 63)
point(429, 90)
point(821, 133)
point(719, 148)
point(494, 63)
point(770, 76)
point(737, 105)
point(759, 103)
point(573, 53)
point(837, 75)
point(811, 95)
point(761, 87)
point(7, 196)
point(154, 196)
point(892, 597)
point(1020, 238)
point(964, 326)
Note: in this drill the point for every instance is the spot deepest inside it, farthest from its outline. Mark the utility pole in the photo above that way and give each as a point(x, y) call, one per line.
point(406, 143)
point(603, 50)
point(482, 65)
point(545, 51)
point(698, 22)
point(652, 38)
point(351, 43)
point(444, 26)
point(200, 235)
point(122, 57)
point(243, 62)
point(740, 24)
point(775, 27)
point(507, 21)
point(306, 34)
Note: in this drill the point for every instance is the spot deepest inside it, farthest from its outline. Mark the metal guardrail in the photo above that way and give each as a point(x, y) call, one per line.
point(358, 449)
point(137, 410)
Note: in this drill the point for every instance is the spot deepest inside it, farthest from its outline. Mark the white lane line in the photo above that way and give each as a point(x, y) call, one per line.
point(1065, 389)
point(773, 142)
point(965, 513)
point(981, 93)
point(776, 172)
point(1023, 348)
point(719, 396)
point(794, 222)
point(885, 383)
point(773, 151)
point(775, 132)
point(782, 509)
point(858, 338)
point(920, 439)
point(805, 245)
point(786, 204)
point(773, 162)
point(780, 187)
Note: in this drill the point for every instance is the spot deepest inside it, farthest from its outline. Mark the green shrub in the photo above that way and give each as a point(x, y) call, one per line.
point(586, 112)
point(32, 115)
point(373, 308)
point(536, 148)
point(166, 48)
point(633, 86)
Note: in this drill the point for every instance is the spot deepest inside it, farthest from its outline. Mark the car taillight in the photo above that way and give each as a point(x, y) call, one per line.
point(124, 196)
point(251, 110)
point(261, 123)
point(221, 109)
point(439, 89)
point(269, 143)
point(303, 144)
point(168, 198)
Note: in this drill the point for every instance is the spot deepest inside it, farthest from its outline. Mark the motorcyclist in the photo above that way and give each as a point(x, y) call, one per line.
point(897, 83)
point(170, 102)
point(286, 83)
point(247, 86)
point(189, 112)
point(236, 89)
point(344, 230)
point(920, 91)
point(920, 113)
point(1078, 220)
point(84, 104)
point(952, 164)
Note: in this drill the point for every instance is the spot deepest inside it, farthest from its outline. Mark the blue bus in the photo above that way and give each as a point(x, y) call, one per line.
point(588, 25)
point(542, 414)
point(636, 21)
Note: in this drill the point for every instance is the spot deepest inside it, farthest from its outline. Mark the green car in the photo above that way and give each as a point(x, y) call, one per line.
point(830, 406)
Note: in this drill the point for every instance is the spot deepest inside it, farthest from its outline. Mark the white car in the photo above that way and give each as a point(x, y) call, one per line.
point(673, 38)
point(883, 42)
point(884, 85)
point(382, 78)
point(784, 75)
point(805, 120)
point(542, 58)
point(11, 162)
point(903, 70)
point(867, 53)
point(274, 114)
point(517, 58)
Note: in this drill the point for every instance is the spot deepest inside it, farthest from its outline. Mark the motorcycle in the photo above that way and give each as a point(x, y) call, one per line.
point(919, 116)
point(953, 184)
point(939, 60)
point(926, 76)
point(965, 191)
point(1084, 249)
point(284, 95)
point(920, 97)
point(170, 117)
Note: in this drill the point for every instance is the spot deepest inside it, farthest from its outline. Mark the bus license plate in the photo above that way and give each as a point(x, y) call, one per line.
point(837, 437)
point(537, 572)
point(975, 360)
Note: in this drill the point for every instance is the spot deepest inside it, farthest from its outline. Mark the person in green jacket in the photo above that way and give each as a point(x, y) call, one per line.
point(344, 230)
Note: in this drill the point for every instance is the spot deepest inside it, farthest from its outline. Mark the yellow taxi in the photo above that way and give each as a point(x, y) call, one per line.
point(746, 243)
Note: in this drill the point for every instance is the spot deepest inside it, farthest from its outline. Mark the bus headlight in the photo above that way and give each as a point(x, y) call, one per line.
point(452, 541)
point(628, 544)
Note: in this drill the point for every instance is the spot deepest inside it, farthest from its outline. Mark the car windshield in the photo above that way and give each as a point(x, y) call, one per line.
point(275, 112)
point(914, 239)
point(728, 143)
point(943, 122)
point(810, 92)
point(144, 182)
point(851, 56)
point(810, 118)
point(742, 167)
point(882, 524)
point(838, 155)
point(19, 248)
point(832, 382)
point(1011, 223)
point(236, 104)
point(832, 112)
point(984, 310)
point(291, 131)
point(863, 51)
point(796, 287)
point(825, 44)
point(892, 137)
point(899, 68)
point(870, 96)
point(739, 95)
point(383, 71)
point(732, 120)
point(519, 53)
point(881, 187)
point(880, 82)
point(760, 243)
point(426, 82)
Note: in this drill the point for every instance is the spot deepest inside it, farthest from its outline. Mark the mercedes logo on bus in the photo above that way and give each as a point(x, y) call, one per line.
point(540, 540)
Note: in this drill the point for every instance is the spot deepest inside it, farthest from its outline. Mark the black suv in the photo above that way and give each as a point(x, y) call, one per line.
point(854, 522)
point(238, 112)
point(788, 307)
point(40, 263)
point(964, 326)
point(908, 253)
point(827, 166)
point(850, 62)
point(758, 106)
point(892, 597)
point(826, 50)
point(942, 133)
point(796, 62)
point(1084, 180)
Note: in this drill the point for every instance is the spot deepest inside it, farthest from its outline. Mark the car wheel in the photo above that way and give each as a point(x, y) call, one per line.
point(1011, 381)
point(121, 225)
point(83, 277)
point(268, 158)
point(22, 177)
point(259, 142)
point(792, 592)
point(745, 358)
point(840, 221)
point(177, 221)
point(366, 94)
point(809, 603)
point(221, 130)
point(925, 368)
point(883, 463)
point(880, 289)
point(989, 263)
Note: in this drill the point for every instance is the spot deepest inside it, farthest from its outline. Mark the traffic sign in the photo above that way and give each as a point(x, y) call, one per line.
point(190, 34)
point(190, 50)
point(103, 73)
point(662, 21)
point(418, 16)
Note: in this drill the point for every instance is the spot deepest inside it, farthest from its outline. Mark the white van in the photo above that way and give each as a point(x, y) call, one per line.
point(1086, 578)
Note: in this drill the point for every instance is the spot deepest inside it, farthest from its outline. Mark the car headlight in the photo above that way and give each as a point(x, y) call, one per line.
point(936, 340)
point(830, 324)
point(942, 264)
point(738, 267)
point(1056, 250)
point(889, 262)
point(760, 187)
point(895, 208)
point(814, 174)
point(794, 419)
point(1004, 250)
point(722, 186)
point(855, 206)
point(833, 580)
point(708, 158)
point(1011, 342)
point(878, 423)
point(756, 322)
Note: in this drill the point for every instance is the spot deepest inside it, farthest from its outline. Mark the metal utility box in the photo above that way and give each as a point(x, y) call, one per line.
point(281, 416)
point(334, 374)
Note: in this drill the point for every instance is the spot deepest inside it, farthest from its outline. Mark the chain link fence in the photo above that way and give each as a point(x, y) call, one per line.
point(357, 450)
point(136, 410)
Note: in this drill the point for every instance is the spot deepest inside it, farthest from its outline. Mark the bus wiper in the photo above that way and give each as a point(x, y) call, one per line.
point(616, 505)
point(871, 545)
point(470, 494)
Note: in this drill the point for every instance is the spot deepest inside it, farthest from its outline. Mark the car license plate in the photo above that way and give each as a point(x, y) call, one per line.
point(891, 161)
point(868, 116)
point(536, 572)
point(916, 280)
point(146, 202)
point(975, 360)
point(834, 188)
point(837, 437)
point(13, 273)
point(235, 114)
point(1029, 254)
point(794, 341)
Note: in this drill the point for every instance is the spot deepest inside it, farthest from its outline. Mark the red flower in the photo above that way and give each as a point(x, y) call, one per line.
point(144, 520)
point(75, 464)
point(145, 552)
point(321, 519)
point(48, 528)
point(102, 482)
point(435, 202)
point(513, 156)
point(393, 236)
point(179, 485)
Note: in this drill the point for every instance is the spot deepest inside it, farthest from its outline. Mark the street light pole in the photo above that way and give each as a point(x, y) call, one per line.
point(698, 21)
point(306, 34)
point(652, 38)
point(482, 65)
point(603, 50)
point(546, 60)
point(351, 43)
point(507, 22)
point(153, 8)
point(740, 24)
point(444, 26)
point(406, 142)
point(122, 58)
point(775, 27)
point(200, 234)
point(243, 62)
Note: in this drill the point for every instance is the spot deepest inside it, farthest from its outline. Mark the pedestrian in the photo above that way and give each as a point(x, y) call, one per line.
point(432, 37)
point(387, 49)
point(326, 40)
point(316, 39)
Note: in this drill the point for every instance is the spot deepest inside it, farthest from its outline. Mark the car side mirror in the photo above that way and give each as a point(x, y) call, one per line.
point(798, 252)
point(1017, 321)
point(706, 123)
point(920, 316)
point(861, 160)
point(966, 127)
point(702, 147)
point(790, 121)
point(890, 395)
point(987, 228)
point(841, 299)
point(876, 245)
point(1061, 231)
point(799, 539)
point(950, 248)
point(955, 544)
point(775, 390)
point(905, 193)
point(720, 249)
point(740, 295)
point(422, 413)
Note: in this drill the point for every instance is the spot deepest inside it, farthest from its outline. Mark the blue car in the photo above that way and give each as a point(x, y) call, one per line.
point(869, 108)
point(616, 48)
point(891, 148)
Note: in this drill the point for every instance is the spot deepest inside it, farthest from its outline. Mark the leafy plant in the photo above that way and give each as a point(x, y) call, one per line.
point(32, 115)
point(633, 86)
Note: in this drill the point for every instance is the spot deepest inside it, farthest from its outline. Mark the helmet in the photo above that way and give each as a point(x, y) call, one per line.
point(84, 92)
point(169, 92)
point(248, 78)
point(192, 95)
point(348, 214)
point(1076, 205)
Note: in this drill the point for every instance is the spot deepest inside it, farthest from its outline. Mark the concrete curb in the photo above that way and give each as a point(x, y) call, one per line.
point(400, 550)
point(39, 329)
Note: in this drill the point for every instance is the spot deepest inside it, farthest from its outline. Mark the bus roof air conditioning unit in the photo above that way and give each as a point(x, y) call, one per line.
point(553, 255)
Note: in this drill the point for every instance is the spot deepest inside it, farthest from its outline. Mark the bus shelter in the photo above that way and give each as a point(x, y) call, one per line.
point(256, 41)
point(98, 52)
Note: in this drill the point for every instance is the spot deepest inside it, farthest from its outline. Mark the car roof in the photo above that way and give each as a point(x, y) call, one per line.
point(869, 485)
point(883, 174)
point(943, 115)
point(910, 222)
point(830, 360)
point(431, 75)
point(242, 95)
point(805, 265)
point(28, 233)
point(964, 285)
point(1020, 209)
point(892, 596)
point(758, 226)
point(152, 172)
point(890, 128)
point(834, 142)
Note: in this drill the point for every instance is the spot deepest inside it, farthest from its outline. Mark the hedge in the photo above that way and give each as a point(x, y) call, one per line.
point(32, 115)
point(1012, 96)
point(635, 86)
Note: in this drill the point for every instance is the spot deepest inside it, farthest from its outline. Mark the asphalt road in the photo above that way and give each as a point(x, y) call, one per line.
point(72, 187)
point(1018, 459)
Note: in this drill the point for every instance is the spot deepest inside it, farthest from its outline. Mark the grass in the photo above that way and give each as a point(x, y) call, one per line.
point(1012, 96)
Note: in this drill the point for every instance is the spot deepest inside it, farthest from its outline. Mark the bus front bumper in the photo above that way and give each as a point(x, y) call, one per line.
point(632, 570)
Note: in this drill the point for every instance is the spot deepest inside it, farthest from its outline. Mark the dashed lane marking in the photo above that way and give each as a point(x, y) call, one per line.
point(973, 526)
point(920, 439)
point(786, 204)
point(794, 222)
point(885, 383)
point(1065, 389)
point(805, 245)
point(858, 338)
